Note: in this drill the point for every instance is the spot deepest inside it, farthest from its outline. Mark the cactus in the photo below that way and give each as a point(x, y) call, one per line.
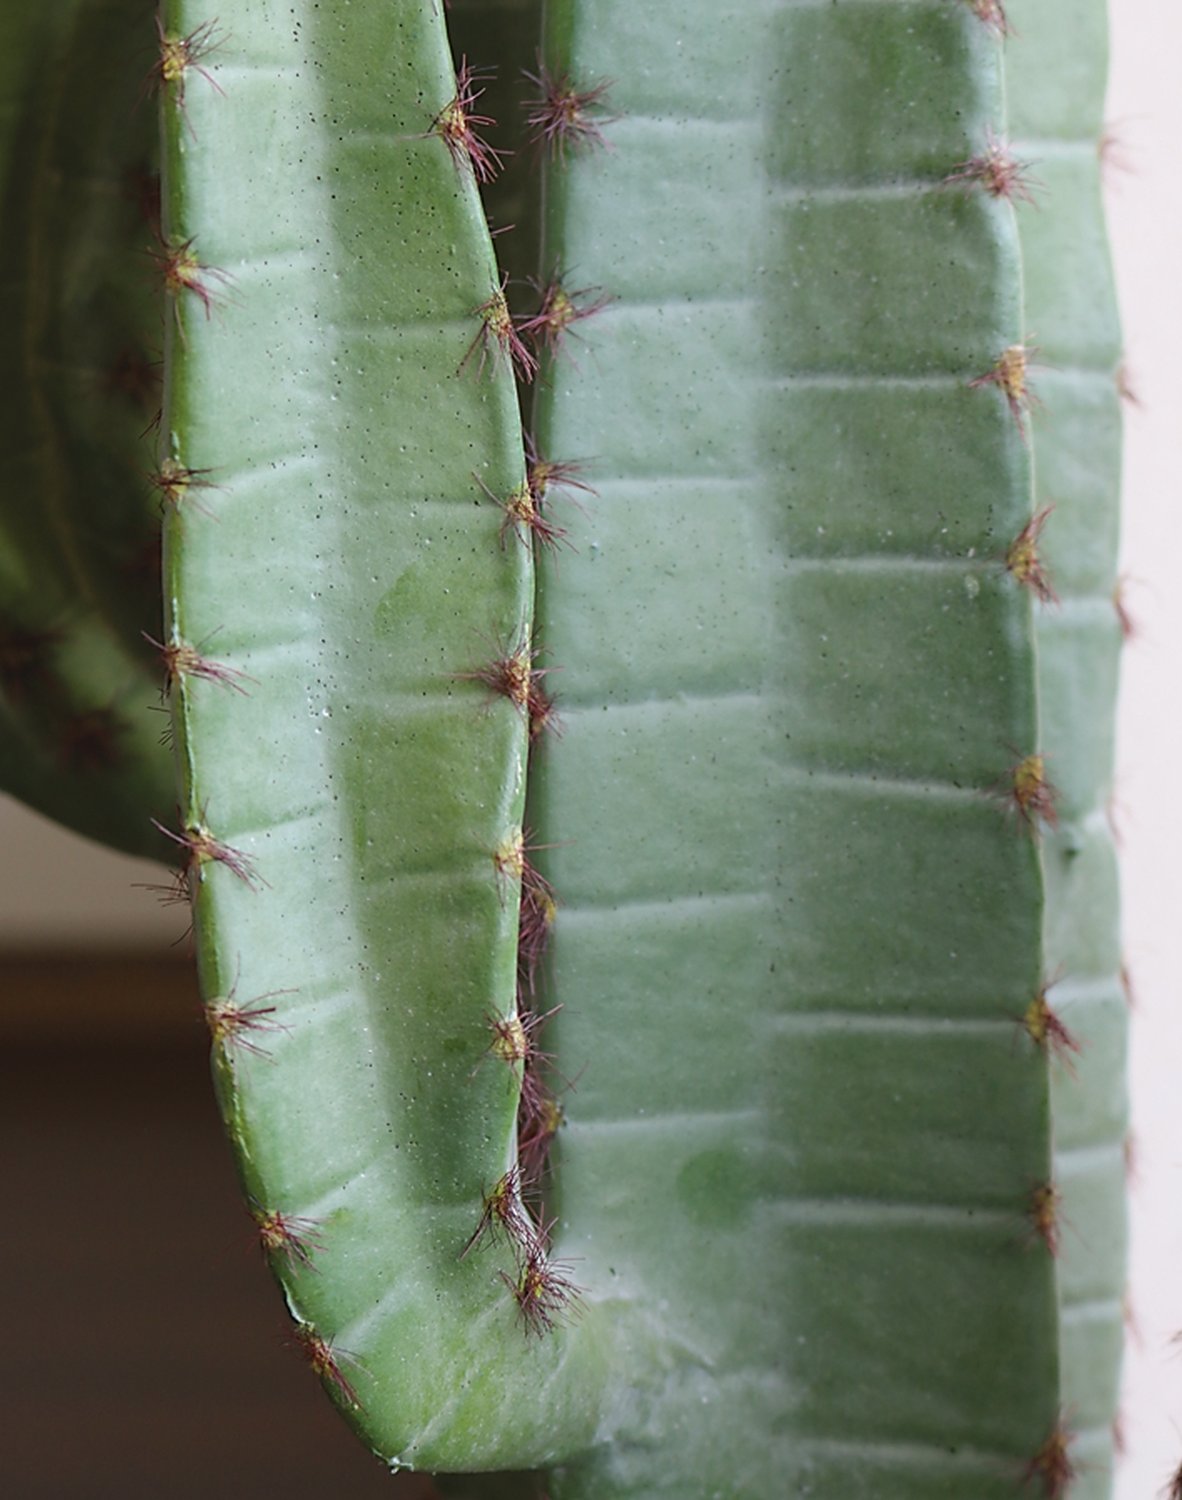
point(650, 879)
point(79, 568)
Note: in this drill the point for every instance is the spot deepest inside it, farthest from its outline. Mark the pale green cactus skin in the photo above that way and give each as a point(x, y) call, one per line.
point(809, 1172)
point(1056, 123)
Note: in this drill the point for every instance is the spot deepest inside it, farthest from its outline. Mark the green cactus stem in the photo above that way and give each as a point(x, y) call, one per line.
point(357, 907)
point(79, 530)
point(651, 896)
point(1056, 124)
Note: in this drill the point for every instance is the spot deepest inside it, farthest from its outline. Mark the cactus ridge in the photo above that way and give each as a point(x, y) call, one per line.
point(1056, 119)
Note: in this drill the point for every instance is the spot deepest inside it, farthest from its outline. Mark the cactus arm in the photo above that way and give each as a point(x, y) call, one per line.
point(1056, 124)
point(797, 1171)
point(78, 534)
point(854, 966)
point(356, 568)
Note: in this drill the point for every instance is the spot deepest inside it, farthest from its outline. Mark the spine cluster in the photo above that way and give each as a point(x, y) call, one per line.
point(560, 120)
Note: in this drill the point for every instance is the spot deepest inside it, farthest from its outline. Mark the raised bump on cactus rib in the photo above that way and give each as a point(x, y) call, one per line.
point(235, 1026)
point(1024, 562)
point(996, 170)
point(294, 1238)
point(1048, 1033)
point(178, 56)
point(1044, 1210)
point(543, 1289)
point(558, 312)
point(509, 675)
point(202, 847)
point(513, 1036)
point(564, 117)
point(546, 474)
point(1052, 1466)
point(1029, 793)
point(456, 123)
point(522, 513)
point(176, 483)
point(503, 1213)
point(328, 1362)
point(181, 661)
point(1010, 375)
point(182, 272)
point(512, 863)
point(498, 338)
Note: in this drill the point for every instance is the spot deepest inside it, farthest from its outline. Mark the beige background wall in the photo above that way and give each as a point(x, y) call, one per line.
point(56, 892)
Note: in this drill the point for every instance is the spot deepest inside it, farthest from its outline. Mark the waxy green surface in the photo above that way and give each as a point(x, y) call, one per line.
point(1056, 124)
point(355, 567)
point(795, 674)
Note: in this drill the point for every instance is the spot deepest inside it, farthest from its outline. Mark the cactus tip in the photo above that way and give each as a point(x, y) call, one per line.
point(512, 863)
point(177, 54)
point(509, 1040)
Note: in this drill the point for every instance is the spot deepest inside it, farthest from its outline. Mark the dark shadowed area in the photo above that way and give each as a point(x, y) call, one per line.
point(144, 1349)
